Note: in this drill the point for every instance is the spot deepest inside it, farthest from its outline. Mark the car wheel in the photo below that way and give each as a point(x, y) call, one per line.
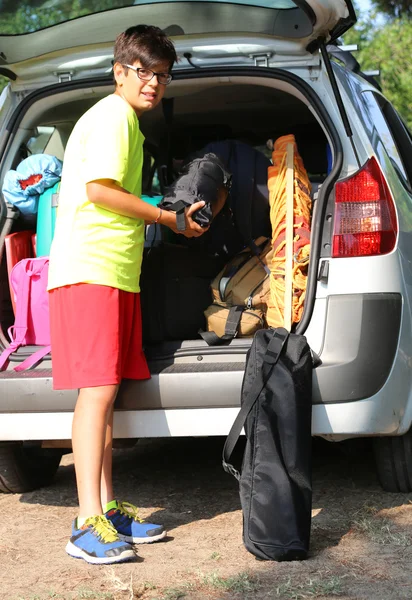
point(393, 457)
point(25, 467)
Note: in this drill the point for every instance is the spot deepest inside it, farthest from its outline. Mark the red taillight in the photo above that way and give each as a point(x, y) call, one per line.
point(365, 216)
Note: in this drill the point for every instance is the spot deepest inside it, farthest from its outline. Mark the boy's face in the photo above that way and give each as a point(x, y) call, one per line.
point(141, 95)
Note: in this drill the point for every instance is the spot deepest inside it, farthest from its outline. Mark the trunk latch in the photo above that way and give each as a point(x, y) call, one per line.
point(64, 76)
point(261, 60)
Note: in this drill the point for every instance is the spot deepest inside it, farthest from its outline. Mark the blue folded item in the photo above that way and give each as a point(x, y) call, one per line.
point(153, 200)
point(33, 176)
point(46, 219)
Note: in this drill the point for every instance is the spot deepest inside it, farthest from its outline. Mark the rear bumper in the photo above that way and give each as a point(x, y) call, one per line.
point(333, 421)
point(354, 389)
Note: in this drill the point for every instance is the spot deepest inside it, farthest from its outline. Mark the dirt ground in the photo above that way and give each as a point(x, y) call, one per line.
point(361, 537)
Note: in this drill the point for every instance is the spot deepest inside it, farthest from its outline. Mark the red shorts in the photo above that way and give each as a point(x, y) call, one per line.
point(96, 336)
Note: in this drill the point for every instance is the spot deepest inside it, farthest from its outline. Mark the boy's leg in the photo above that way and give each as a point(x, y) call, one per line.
point(106, 484)
point(93, 538)
point(124, 515)
point(86, 356)
point(90, 424)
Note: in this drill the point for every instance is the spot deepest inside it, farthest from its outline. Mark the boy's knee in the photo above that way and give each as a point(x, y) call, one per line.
point(101, 396)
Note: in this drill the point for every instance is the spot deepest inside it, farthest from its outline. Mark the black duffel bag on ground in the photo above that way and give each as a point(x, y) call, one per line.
point(275, 479)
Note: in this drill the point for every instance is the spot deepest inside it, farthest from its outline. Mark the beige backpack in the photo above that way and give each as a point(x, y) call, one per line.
point(240, 296)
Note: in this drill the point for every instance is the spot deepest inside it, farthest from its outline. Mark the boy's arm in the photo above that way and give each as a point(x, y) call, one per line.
point(109, 195)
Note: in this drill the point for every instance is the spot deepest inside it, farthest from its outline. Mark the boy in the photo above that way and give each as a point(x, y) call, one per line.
point(94, 272)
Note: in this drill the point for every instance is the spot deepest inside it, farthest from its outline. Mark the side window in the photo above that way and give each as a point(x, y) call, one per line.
point(400, 133)
point(389, 134)
point(37, 143)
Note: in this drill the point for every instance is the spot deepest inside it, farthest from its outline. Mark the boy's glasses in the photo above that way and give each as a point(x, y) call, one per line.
point(147, 75)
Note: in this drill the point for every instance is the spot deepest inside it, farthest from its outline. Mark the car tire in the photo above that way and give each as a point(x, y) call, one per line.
point(393, 459)
point(24, 468)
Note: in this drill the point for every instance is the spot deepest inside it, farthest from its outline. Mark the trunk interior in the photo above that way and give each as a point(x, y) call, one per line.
point(206, 110)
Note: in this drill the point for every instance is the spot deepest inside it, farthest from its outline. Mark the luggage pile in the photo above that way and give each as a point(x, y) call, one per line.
point(265, 286)
point(263, 265)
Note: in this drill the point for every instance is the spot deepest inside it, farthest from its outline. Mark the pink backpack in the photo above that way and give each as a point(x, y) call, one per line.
point(31, 327)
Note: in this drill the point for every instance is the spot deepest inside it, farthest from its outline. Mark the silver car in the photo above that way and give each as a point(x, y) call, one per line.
point(262, 68)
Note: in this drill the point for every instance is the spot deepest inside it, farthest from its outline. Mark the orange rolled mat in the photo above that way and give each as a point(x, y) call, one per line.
point(277, 184)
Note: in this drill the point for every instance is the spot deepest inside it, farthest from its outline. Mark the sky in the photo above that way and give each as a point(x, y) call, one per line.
point(364, 5)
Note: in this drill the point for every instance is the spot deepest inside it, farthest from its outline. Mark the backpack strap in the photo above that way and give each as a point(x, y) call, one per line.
point(231, 328)
point(33, 359)
point(179, 208)
point(36, 357)
point(270, 358)
point(17, 332)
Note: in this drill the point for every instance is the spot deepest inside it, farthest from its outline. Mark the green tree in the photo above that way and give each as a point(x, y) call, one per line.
point(387, 48)
point(394, 8)
point(23, 16)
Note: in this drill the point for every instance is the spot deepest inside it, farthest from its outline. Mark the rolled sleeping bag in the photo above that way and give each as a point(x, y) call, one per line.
point(201, 179)
point(32, 177)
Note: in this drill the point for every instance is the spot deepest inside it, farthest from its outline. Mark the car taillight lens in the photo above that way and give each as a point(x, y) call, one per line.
point(365, 216)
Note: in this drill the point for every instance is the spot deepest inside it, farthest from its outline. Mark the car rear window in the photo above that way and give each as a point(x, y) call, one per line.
point(381, 135)
point(26, 16)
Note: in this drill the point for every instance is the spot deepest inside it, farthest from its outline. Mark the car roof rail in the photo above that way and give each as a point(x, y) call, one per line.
point(343, 54)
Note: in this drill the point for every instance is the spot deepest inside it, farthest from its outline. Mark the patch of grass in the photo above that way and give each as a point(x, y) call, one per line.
point(80, 594)
point(238, 584)
point(176, 593)
point(379, 529)
point(215, 556)
point(311, 589)
point(84, 594)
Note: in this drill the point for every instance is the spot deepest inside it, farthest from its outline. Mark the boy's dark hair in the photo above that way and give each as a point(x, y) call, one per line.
point(144, 43)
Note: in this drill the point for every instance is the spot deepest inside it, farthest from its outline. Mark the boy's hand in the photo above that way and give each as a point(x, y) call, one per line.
point(192, 228)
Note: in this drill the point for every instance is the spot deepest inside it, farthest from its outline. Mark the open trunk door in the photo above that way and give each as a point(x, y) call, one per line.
point(42, 42)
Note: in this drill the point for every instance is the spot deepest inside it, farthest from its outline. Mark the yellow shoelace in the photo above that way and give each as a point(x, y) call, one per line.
point(103, 528)
point(130, 510)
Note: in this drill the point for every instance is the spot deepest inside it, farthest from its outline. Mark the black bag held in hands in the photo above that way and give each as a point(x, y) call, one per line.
point(275, 482)
point(200, 179)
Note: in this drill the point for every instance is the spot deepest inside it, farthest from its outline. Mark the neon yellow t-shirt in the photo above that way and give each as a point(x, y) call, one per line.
point(92, 244)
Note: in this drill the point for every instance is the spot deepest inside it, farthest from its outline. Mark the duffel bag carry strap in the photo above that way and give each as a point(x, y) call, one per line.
point(179, 208)
point(271, 357)
point(231, 328)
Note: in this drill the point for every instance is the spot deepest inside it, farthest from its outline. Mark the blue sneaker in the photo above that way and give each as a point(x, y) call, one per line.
point(130, 527)
point(98, 543)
